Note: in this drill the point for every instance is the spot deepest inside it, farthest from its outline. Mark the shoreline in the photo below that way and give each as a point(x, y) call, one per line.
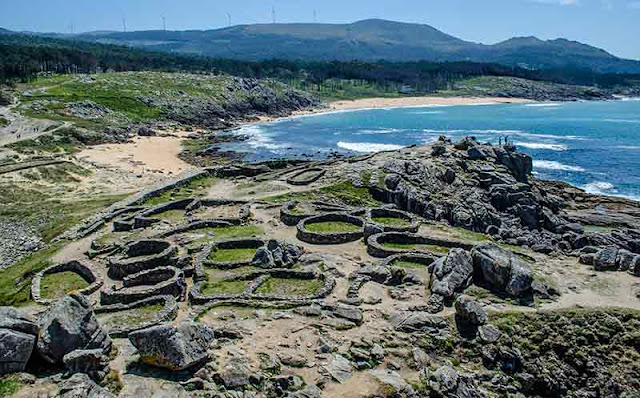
point(409, 102)
point(157, 154)
point(363, 104)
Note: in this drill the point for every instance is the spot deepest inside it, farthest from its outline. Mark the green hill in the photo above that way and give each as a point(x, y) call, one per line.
point(369, 40)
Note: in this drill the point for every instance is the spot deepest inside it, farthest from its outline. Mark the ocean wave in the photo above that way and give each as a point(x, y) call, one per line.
point(516, 133)
point(630, 147)
point(378, 131)
point(542, 145)
point(367, 147)
point(258, 140)
point(632, 121)
point(553, 165)
point(543, 105)
point(428, 113)
point(598, 187)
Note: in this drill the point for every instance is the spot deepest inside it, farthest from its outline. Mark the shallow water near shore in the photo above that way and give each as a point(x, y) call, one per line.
point(592, 145)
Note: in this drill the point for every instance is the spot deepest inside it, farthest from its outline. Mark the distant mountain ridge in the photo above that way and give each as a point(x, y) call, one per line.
point(368, 40)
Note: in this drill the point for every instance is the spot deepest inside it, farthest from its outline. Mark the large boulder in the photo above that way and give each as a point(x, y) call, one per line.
point(501, 269)
point(277, 254)
point(452, 273)
point(171, 347)
point(69, 325)
point(470, 311)
point(18, 333)
point(605, 259)
point(91, 362)
point(81, 386)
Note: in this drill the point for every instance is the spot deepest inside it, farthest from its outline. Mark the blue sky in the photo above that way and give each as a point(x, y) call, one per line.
point(610, 24)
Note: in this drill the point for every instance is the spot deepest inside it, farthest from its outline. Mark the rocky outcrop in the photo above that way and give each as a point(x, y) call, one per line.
point(501, 270)
point(173, 347)
point(91, 362)
point(68, 325)
point(470, 311)
point(81, 386)
point(18, 333)
point(611, 258)
point(450, 274)
point(277, 254)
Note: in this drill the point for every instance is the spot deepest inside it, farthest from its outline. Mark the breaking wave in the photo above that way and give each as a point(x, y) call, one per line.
point(598, 187)
point(367, 147)
point(553, 165)
point(542, 145)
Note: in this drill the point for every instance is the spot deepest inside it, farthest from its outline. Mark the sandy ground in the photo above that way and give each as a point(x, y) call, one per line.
point(367, 103)
point(143, 155)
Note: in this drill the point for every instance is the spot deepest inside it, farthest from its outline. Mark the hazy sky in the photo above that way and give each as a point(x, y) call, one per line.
point(610, 24)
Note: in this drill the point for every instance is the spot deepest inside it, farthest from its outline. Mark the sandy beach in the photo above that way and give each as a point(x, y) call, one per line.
point(368, 103)
point(160, 154)
point(142, 155)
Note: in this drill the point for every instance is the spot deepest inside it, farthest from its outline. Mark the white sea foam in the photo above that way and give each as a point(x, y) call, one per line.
point(377, 131)
point(553, 165)
point(543, 105)
point(257, 139)
point(632, 121)
point(516, 133)
point(367, 147)
point(428, 113)
point(542, 145)
point(598, 187)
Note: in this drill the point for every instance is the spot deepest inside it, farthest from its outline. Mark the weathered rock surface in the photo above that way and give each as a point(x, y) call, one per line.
point(171, 347)
point(470, 311)
point(502, 270)
point(81, 386)
point(18, 333)
point(91, 362)
point(452, 273)
point(70, 325)
point(277, 254)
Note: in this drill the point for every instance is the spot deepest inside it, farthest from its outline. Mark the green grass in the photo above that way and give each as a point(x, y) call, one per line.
point(217, 273)
point(9, 385)
point(135, 316)
point(392, 221)
point(409, 264)
point(174, 216)
point(195, 188)
point(289, 287)
point(227, 233)
point(57, 285)
point(332, 227)
point(462, 233)
point(417, 247)
point(3, 122)
point(224, 287)
point(232, 255)
point(58, 173)
point(40, 208)
point(598, 228)
point(342, 193)
point(15, 281)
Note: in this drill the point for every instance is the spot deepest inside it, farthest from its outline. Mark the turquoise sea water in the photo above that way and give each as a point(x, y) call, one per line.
point(593, 145)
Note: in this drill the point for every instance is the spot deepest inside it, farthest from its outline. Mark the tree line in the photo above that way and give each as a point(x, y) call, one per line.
point(24, 57)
